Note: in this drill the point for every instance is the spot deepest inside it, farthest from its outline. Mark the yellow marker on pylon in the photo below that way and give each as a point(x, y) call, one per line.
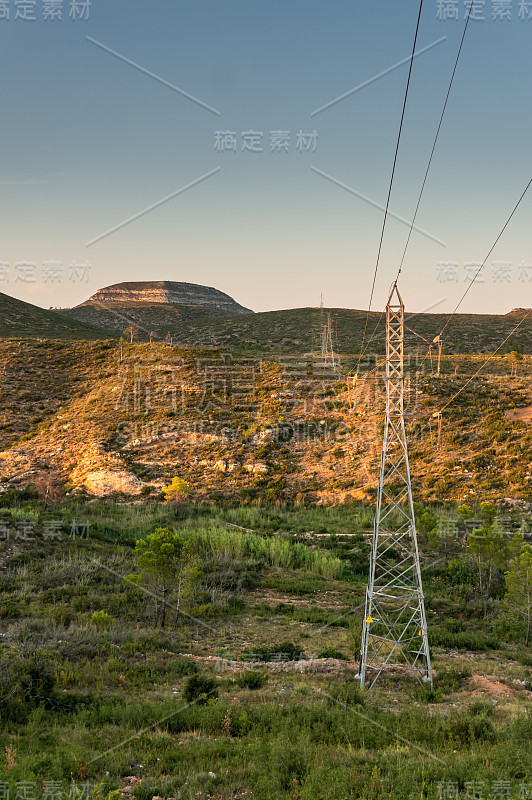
point(369, 619)
point(419, 634)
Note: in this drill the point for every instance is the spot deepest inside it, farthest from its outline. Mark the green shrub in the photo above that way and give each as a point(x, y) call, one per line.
point(451, 680)
point(200, 689)
point(252, 679)
point(480, 708)
point(428, 694)
point(331, 652)
point(468, 729)
point(101, 620)
point(462, 640)
point(346, 693)
point(13, 497)
point(183, 666)
point(29, 683)
point(9, 609)
point(177, 491)
point(286, 651)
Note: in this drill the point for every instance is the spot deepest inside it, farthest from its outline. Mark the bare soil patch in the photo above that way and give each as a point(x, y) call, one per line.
point(522, 414)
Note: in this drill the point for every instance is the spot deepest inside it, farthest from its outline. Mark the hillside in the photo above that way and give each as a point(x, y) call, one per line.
point(184, 323)
point(22, 320)
point(104, 418)
point(298, 330)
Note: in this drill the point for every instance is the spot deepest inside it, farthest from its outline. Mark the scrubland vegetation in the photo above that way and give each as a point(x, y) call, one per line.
point(249, 690)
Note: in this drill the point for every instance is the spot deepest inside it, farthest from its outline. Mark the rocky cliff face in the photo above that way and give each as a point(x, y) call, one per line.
point(190, 294)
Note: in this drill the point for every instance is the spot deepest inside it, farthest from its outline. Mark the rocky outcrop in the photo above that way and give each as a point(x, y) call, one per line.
point(105, 482)
point(174, 292)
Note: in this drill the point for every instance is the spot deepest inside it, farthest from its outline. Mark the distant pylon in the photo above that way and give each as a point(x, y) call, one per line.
point(327, 351)
point(437, 342)
point(394, 629)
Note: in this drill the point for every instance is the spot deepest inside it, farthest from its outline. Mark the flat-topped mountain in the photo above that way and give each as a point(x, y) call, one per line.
point(172, 292)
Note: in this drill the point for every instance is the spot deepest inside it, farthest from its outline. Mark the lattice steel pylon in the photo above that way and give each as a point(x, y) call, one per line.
point(395, 628)
point(327, 350)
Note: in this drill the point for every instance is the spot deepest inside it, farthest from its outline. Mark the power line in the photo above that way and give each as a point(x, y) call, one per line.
point(362, 352)
point(476, 276)
point(391, 178)
point(485, 362)
point(418, 334)
point(492, 248)
point(375, 369)
point(382, 313)
point(433, 146)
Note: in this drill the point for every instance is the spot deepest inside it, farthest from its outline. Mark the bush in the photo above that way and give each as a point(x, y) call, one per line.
point(101, 620)
point(200, 689)
point(480, 708)
point(426, 694)
point(347, 693)
point(9, 610)
point(276, 551)
point(445, 682)
point(177, 491)
point(451, 680)
point(252, 679)
point(286, 651)
point(331, 652)
point(462, 640)
point(14, 497)
point(466, 729)
point(29, 683)
point(183, 666)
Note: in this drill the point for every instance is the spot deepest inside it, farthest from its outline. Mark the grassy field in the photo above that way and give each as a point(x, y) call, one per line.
point(251, 693)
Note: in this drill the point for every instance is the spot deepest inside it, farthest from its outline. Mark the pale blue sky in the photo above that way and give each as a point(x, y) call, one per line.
point(89, 142)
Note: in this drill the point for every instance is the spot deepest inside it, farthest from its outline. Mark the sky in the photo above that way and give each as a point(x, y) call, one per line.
point(205, 141)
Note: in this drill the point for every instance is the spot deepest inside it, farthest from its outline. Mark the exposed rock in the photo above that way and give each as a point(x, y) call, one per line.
point(175, 292)
point(224, 465)
point(493, 687)
point(104, 482)
point(258, 466)
point(519, 311)
point(522, 414)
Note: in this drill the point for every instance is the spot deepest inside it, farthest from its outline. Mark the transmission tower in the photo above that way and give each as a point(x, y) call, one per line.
point(327, 352)
point(394, 629)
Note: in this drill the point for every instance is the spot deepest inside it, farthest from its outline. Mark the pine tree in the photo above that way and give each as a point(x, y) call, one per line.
point(519, 587)
point(167, 563)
